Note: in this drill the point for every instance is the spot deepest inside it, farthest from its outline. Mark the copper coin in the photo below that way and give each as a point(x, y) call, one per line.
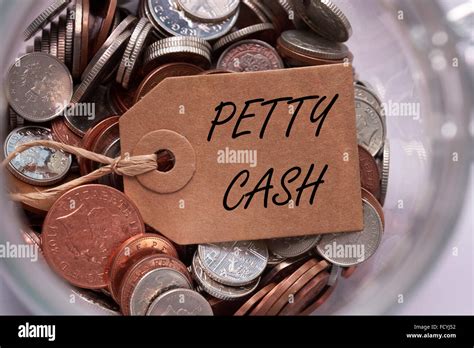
point(89, 140)
point(282, 270)
point(82, 229)
point(133, 249)
point(63, 134)
point(163, 72)
point(121, 98)
point(254, 300)
point(375, 203)
point(327, 292)
point(369, 172)
point(250, 14)
point(250, 55)
point(142, 267)
point(268, 301)
point(300, 59)
point(347, 272)
point(296, 286)
point(306, 296)
point(105, 10)
point(85, 35)
point(222, 307)
point(216, 72)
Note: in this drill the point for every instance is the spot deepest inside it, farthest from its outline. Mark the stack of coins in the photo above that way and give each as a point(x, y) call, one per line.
point(88, 63)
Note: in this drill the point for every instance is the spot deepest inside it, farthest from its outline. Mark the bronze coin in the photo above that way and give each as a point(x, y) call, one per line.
point(269, 300)
point(369, 172)
point(303, 59)
point(163, 72)
point(63, 134)
point(85, 35)
point(347, 272)
point(327, 292)
point(142, 267)
point(250, 55)
point(282, 270)
point(306, 296)
point(375, 203)
point(89, 140)
point(222, 307)
point(121, 98)
point(82, 229)
point(133, 249)
point(105, 10)
point(296, 286)
point(254, 300)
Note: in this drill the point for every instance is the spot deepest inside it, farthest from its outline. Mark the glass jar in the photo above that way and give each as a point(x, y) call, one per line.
point(413, 54)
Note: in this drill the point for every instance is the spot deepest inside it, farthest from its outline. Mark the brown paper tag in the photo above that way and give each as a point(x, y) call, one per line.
point(258, 155)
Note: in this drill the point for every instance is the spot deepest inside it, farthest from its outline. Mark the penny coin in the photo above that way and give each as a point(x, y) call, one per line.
point(62, 39)
point(82, 229)
point(250, 14)
point(163, 72)
point(89, 140)
point(325, 18)
point(222, 307)
point(296, 59)
point(85, 35)
point(370, 127)
point(290, 292)
point(152, 285)
point(133, 249)
point(234, 263)
point(327, 292)
point(254, 300)
point(106, 11)
point(168, 17)
point(352, 248)
point(39, 165)
point(218, 290)
point(209, 10)
point(307, 43)
point(106, 62)
point(37, 44)
point(269, 300)
point(182, 302)
point(216, 72)
point(261, 31)
point(292, 246)
point(63, 134)
point(142, 267)
point(250, 55)
point(45, 17)
point(306, 296)
point(385, 171)
point(39, 87)
point(347, 272)
point(120, 98)
point(280, 12)
point(375, 203)
point(369, 172)
point(282, 270)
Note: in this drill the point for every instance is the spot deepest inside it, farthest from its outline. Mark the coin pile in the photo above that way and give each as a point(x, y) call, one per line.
point(90, 62)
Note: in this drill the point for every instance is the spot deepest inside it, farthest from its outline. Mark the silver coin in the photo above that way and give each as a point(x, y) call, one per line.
point(325, 18)
point(39, 165)
point(37, 44)
point(45, 41)
point(385, 171)
point(53, 40)
point(62, 39)
point(306, 42)
point(121, 28)
point(77, 41)
point(234, 263)
point(108, 60)
point(274, 260)
point(250, 55)
point(364, 93)
point(352, 248)
point(370, 127)
point(241, 34)
point(216, 289)
point(334, 275)
point(68, 49)
point(209, 10)
point(45, 17)
point(173, 21)
point(153, 284)
point(180, 302)
point(292, 246)
point(193, 55)
point(39, 87)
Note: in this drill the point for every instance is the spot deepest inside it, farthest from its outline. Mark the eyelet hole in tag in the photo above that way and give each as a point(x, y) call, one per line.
point(176, 161)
